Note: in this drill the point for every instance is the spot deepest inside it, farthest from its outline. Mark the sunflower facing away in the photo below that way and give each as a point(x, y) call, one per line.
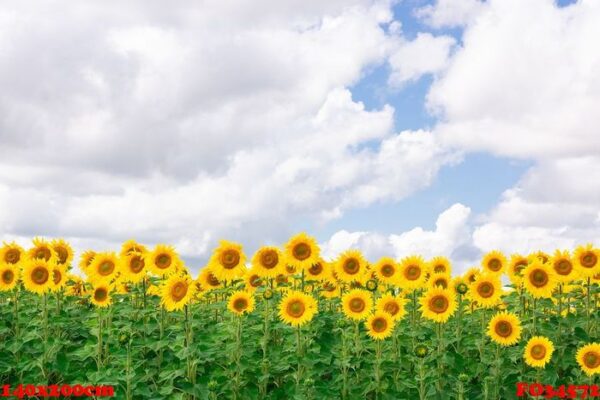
point(538, 351)
point(133, 267)
point(357, 304)
point(494, 262)
point(268, 261)
point(59, 277)
point(379, 325)
point(9, 277)
point(329, 289)
point(505, 329)
point(100, 295)
point(104, 267)
point(438, 304)
point(207, 279)
point(240, 303)
point(588, 358)
point(252, 280)
point(562, 264)
point(539, 280)
point(227, 261)
point(387, 270)
point(41, 250)
point(302, 251)
point(63, 251)
point(471, 275)
point(515, 268)
point(297, 308)
point(11, 253)
point(413, 273)
point(350, 266)
point(163, 260)
point(37, 276)
point(131, 246)
point(440, 265)
point(86, 260)
point(320, 271)
point(392, 305)
point(486, 290)
point(587, 260)
point(176, 292)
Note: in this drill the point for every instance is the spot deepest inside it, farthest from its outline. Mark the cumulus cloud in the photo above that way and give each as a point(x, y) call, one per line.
point(449, 13)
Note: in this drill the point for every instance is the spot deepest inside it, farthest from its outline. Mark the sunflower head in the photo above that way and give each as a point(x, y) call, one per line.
point(37, 276)
point(227, 261)
point(562, 264)
point(539, 256)
point(104, 267)
point(86, 260)
point(539, 279)
point(133, 266)
point(240, 303)
point(439, 280)
point(357, 304)
point(63, 251)
point(177, 292)
point(392, 305)
point(538, 351)
point(11, 253)
point(421, 351)
point(131, 246)
point(329, 289)
point(587, 260)
point(588, 358)
point(319, 271)
point(100, 295)
point(163, 260)
point(268, 261)
point(413, 273)
point(9, 277)
point(41, 250)
point(302, 251)
point(208, 280)
point(379, 325)
point(486, 290)
point(387, 271)
point(351, 267)
point(59, 277)
point(440, 265)
point(252, 280)
point(505, 329)
point(494, 262)
point(297, 308)
point(515, 268)
point(438, 304)
point(471, 275)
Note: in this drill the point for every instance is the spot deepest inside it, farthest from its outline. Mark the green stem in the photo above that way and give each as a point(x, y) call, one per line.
point(439, 383)
point(299, 370)
point(344, 365)
point(588, 308)
point(99, 350)
point(422, 394)
point(265, 345)
point(377, 368)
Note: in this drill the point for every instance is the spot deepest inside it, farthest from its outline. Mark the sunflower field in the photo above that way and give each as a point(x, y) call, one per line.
point(287, 324)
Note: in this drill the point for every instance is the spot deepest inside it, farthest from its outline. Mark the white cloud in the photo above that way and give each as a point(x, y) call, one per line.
point(449, 13)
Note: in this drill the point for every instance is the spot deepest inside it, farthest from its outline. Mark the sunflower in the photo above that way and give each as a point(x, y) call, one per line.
point(37, 276)
point(41, 250)
point(252, 280)
point(539, 279)
point(438, 304)
point(380, 325)
point(357, 304)
point(133, 266)
point(471, 275)
point(302, 251)
point(268, 261)
point(505, 329)
point(241, 302)
point(413, 273)
point(588, 358)
point(208, 280)
point(515, 268)
point(131, 246)
point(100, 295)
point(392, 305)
point(329, 289)
point(587, 260)
point(9, 277)
point(538, 351)
point(460, 285)
point(563, 266)
point(486, 290)
point(104, 267)
point(11, 253)
point(442, 280)
point(176, 292)
point(75, 286)
point(540, 256)
point(297, 308)
point(494, 262)
point(320, 271)
point(387, 270)
point(63, 251)
point(350, 266)
point(227, 261)
point(162, 261)
point(86, 260)
point(440, 265)
point(59, 277)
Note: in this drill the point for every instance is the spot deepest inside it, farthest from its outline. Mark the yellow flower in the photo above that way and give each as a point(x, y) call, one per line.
point(379, 325)
point(302, 251)
point(486, 290)
point(357, 304)
point(207, 280)
point(505, 329)
point(9, 277)
point(104, 267)
point(133, 267)
point(131, 246)
point(471, 275)
point(329, 289)
point(11, 253)
point(587, 261)
point(252, 280)
point(494, 262)
point(539, 256)
point(162, 261)
point(539, 279)
point(538, 351)
point(350, 266)
point(59, 277)
point(36, 276)
point(392, 305)
point(563, 266)
point(241, 302)
point(297, 308)
point(41, 250)
point(86, 260)
point(387, 271)
point(176, 292)
point(320, 271)
point(438, 304)
point(439, 280)
point(100, 295)
point(63, 251)
point(588, 358)
point(515, 268)
point(227, 261)
point(413, 272)
point(440, 265)
point(268, 262)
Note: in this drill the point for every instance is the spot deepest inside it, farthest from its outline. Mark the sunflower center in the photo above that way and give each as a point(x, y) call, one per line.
point(471, 278)
point(357, 305)
point(391, 308)
point(316, 269)
point(539, 278)
point(254, 280)
point(439, 268)
point(43, 252)
point(100, 294)
point(230, 259)
point(301, 251)
point(295, 308)
point(591, 359)
point(379, 325)
point(62, 253)
point(40, 275)
point(387, 270)
point(589, 260)
point(351, 266)
point(439, 304)
point(240, 304)
point(519, 267)
point(136, 264)
point(412, 273)
point(212, 280)
point(494, 264)
point(106, 268)
point(163, 261)
point(503, 329)
point(12, 256)
point(485, 289)
point(56, 276)
point(8, 276)
point(178, 291)
point(563, 267)
point(441, 282)
point(269, 259)
point(538, 352)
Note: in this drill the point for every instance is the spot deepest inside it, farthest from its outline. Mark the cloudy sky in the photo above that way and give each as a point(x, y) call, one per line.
point(416, 126)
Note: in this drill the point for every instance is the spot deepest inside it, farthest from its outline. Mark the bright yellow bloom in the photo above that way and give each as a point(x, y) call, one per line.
point(252, 280)
point(37, 276)
point(351, 266)
point(505, 329)
point(439, 280)
point(9, 277)
point(133, 267)
point(486, 290)
point(227, 261)
point(131, 246)
point(86, 260)
point(41, 250)
point(320, 271)
point(329, 289)
point(392, 305)
point(59, 277)
point(297, 308)
point(494, 262)
point(440, 265)
point(413, 273)
point(539, 256)
point(515, 268)
point(63, 251)
point(357, 304)
point(104, 268)
point(538, 351)
point(387, 271)
point(539, 279)
point(162, 261)
point(471, 275)
point(379, 325)
point(588, 358)
point(563, 267)
point(587, 261)
point(176, 292)
point(100, 295)
point(268, 262)
point(438, 304)
point(301, 252)
point(241, 302)
point(208, 280)
point(11, 253)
